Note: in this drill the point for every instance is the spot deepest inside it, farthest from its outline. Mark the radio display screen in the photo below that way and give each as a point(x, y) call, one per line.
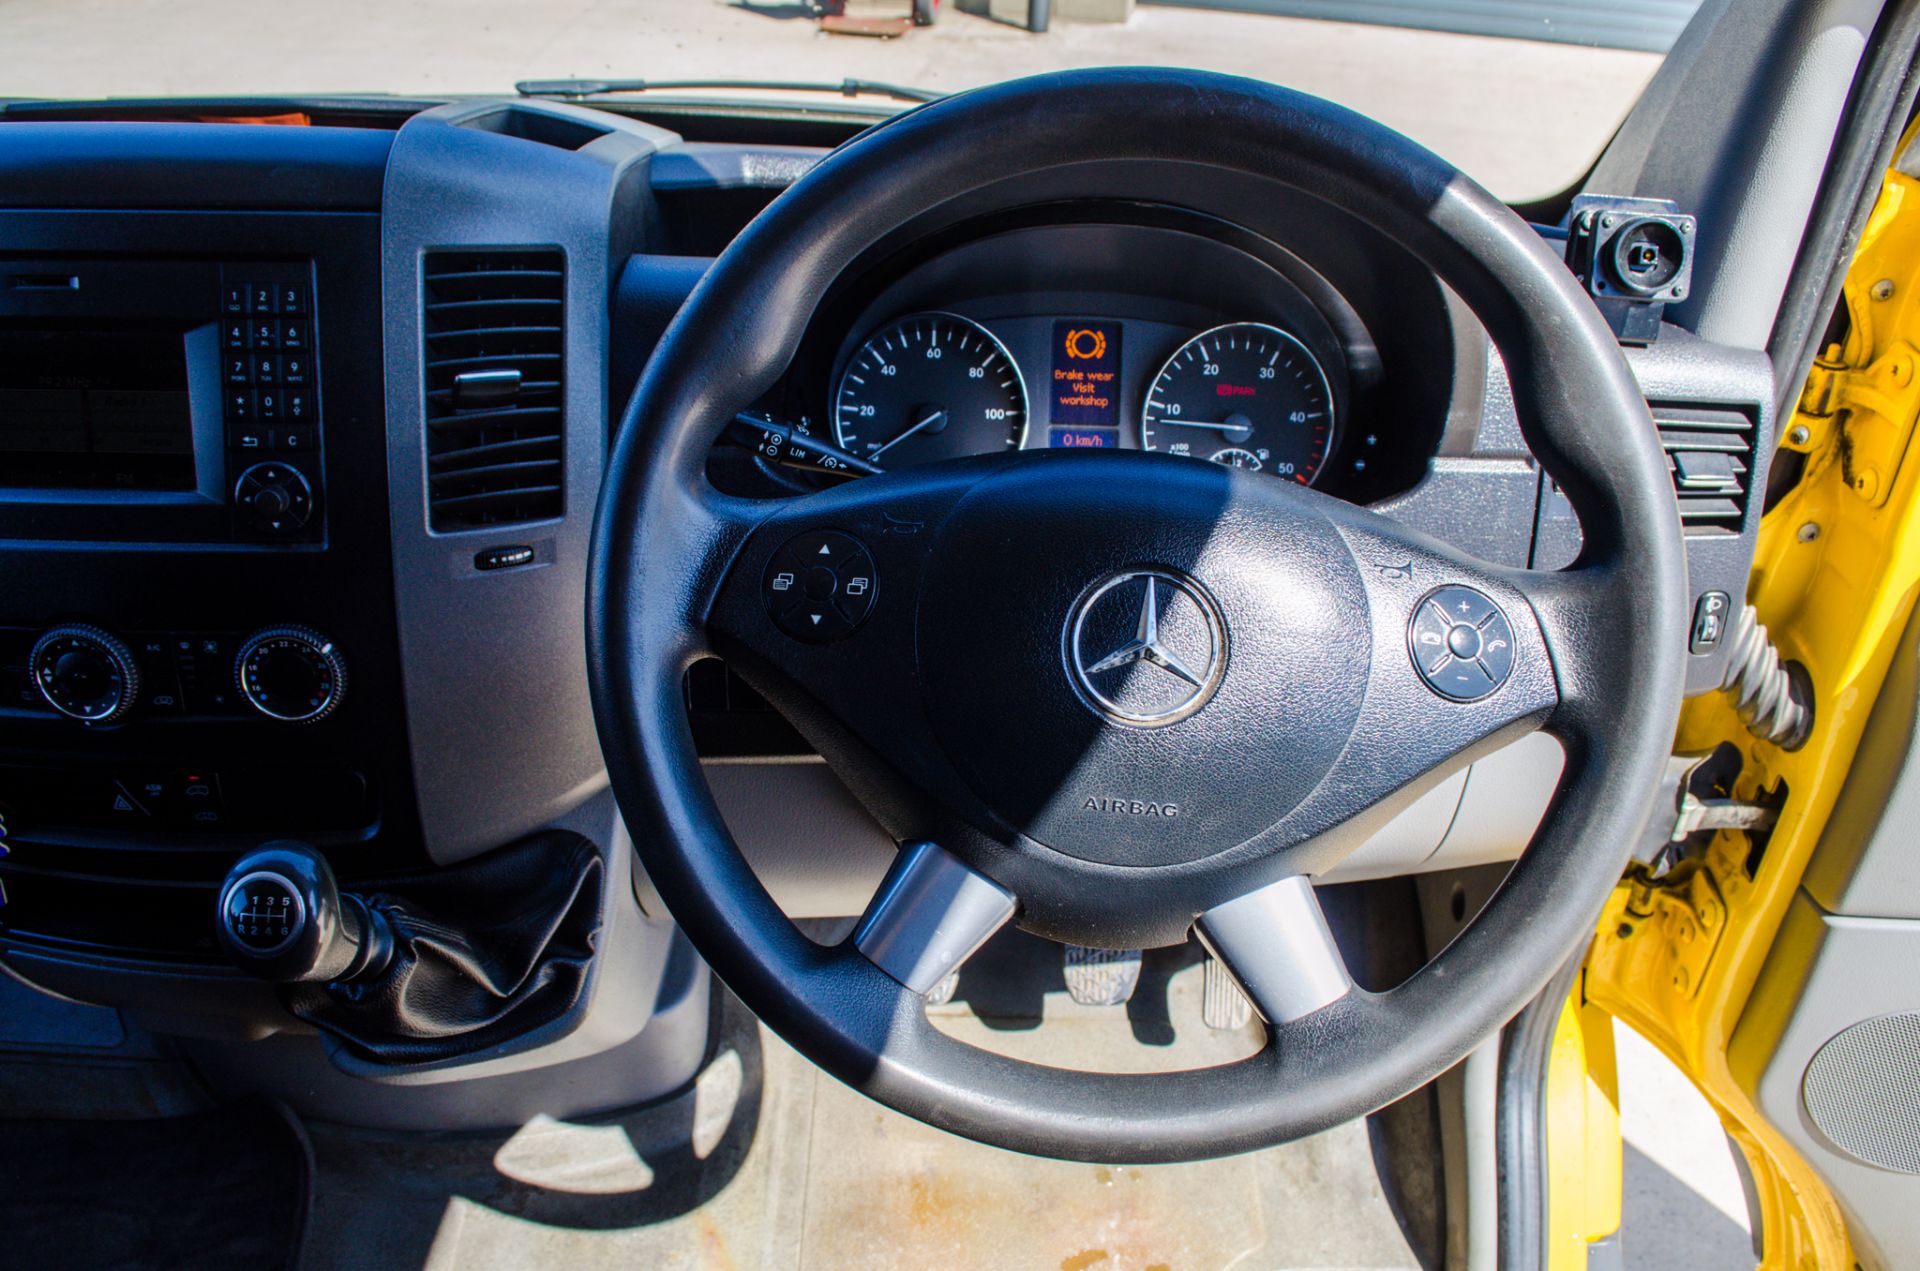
point(90, 408)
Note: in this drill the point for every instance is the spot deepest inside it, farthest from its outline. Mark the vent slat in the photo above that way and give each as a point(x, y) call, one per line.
point(500, 333)
point(528, 388)
point(501, 464)
point(493, 477)
point(1709, 451)
point(502, 504)
point(491, 415)
point(458, 364)
point(495, 452)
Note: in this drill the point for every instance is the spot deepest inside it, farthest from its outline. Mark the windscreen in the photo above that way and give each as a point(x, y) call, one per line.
point(1521, 94)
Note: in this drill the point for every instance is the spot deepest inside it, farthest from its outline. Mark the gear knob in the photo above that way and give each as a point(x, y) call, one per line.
point(282, 917)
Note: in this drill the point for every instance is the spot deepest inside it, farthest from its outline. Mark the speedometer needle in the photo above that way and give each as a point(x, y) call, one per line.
point(926, 423)
point(1196, 423)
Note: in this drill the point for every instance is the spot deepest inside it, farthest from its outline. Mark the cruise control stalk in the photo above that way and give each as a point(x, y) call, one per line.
point(782, 443)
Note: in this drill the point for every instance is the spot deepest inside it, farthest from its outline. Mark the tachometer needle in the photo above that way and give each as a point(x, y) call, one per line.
point(924, 424)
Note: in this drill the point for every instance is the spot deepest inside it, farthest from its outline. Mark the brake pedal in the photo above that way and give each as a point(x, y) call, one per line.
point(1222, 1005)
point(1100, 977)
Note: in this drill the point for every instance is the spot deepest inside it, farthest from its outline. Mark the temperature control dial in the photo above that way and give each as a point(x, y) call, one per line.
point(85, 673)
point(293, 674)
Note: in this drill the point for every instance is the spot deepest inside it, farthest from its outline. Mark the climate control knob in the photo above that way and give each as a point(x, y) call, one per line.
point(85, 673)
point(293, 674)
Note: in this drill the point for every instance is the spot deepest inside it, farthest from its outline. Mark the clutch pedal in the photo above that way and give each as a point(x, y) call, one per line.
point(1100, 977)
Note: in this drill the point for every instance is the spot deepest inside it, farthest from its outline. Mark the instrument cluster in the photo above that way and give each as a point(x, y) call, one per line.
point(938, 385)
point(1136, 329)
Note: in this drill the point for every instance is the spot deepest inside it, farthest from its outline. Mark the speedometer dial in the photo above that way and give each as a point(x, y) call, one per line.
point(929, 386)
point(1248, 395)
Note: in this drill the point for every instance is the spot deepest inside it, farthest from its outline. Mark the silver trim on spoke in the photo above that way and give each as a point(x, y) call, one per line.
point(1277, 944)
point(931, 912)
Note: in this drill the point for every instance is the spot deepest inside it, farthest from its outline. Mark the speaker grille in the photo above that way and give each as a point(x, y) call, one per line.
point(1862, 1090)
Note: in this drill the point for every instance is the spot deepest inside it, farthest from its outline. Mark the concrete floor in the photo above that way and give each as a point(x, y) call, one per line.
point(1524, 118)
point(791, 1171)
point(1683, 1205)
point(769, 1164)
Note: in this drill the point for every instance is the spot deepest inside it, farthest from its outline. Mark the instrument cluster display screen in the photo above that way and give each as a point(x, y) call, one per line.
point(1083, 390)
point(95, 409)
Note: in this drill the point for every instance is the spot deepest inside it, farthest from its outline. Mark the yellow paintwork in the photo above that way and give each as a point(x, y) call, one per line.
point(1583, 1134)
point(1834, 579)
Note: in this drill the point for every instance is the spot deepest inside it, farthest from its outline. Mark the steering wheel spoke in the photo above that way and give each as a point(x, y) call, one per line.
point(931, 912)
point(1277, 943)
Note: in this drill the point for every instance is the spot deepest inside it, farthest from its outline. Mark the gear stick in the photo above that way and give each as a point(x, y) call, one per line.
point(282, 917)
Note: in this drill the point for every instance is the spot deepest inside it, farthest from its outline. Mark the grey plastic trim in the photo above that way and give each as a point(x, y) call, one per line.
point(1736, 127)
point(1834, 972)
point(1277, 944)
point(494, 663)
point(931, 912)
point(634, 983)
point(1682, 370)
point(1865, 865)
point(1481, 1094)
point(821, 855)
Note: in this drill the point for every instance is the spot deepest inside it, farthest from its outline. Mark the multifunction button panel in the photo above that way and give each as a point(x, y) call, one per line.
point(271, 395)
point(1461, 643)
point(820, 585)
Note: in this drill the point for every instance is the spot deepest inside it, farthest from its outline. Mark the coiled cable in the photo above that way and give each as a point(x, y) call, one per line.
point(1772, 701)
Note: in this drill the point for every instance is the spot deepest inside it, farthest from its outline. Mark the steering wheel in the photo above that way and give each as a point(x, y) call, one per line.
point(1118, 697)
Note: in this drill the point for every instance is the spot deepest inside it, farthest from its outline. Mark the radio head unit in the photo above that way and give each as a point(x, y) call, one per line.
point(182, 394)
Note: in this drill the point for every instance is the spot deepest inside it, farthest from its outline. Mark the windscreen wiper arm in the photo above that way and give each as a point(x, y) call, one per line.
point(602, 87)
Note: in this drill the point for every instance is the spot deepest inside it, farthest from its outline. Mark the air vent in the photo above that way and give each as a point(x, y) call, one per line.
point(1710, 457)
point(492, 353)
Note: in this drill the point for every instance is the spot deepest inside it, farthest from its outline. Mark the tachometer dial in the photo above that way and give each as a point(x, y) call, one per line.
point(929, 386)
point(1247, 395)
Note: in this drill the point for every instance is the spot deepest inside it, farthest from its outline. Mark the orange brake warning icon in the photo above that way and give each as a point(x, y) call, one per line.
point(1086, 343)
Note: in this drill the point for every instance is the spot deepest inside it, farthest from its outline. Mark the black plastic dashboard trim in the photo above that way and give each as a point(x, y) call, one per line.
point(202, 167)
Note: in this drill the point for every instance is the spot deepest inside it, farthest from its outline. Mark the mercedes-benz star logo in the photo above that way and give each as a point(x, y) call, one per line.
point(1145, 648)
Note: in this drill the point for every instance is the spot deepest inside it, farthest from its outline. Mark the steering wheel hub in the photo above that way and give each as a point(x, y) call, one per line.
point(1138, 660)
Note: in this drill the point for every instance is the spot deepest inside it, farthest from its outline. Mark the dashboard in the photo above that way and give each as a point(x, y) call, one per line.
point(303, 551)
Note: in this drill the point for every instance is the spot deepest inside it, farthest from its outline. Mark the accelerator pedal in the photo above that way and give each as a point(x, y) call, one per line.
point(1100, 977)
point(1222, 1005)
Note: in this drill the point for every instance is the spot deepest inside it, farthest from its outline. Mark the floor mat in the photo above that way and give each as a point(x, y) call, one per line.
point(225, 1188)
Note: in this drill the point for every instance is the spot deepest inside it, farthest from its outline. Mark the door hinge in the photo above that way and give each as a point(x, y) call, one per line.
point(1872, 406)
